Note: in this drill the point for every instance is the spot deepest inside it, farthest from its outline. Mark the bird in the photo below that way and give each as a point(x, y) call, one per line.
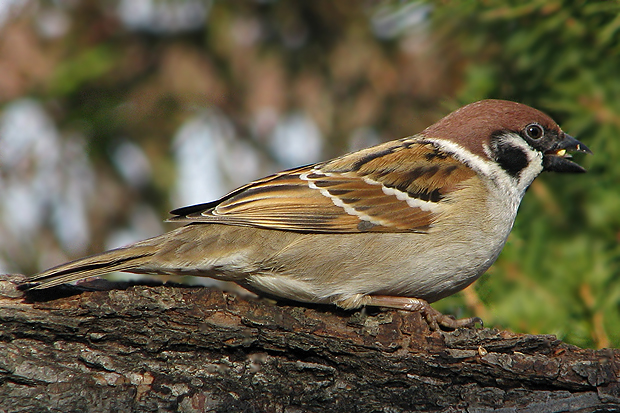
point(398, 225)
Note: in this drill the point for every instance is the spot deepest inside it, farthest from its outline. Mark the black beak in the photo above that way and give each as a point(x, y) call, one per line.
point(557, 159)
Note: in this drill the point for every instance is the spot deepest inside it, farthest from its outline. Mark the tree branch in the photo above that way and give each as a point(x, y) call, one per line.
point(123, 347)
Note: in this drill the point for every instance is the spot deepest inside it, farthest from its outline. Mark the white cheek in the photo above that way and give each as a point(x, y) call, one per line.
point(499, 181)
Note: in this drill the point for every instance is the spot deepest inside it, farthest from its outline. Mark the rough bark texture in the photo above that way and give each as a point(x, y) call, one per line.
point(169, 348)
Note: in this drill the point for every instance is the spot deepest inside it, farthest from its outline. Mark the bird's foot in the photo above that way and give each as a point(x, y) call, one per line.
point(434, 318)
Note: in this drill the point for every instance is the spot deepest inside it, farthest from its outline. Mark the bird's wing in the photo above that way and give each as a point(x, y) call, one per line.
point(399, 186)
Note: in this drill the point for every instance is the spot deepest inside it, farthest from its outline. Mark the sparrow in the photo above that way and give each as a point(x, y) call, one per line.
point(398, 225)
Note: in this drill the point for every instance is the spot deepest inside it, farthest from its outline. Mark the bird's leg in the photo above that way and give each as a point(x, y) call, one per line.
point(434, 318)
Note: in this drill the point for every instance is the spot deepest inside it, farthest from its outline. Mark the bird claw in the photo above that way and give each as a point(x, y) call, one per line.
point(452, 323)
point(435, 319)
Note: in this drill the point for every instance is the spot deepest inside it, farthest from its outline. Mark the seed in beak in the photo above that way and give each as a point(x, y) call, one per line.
point(561, 152)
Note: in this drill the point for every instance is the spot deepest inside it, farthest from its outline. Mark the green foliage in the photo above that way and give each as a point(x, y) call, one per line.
point(559, 272)
point(88, 65)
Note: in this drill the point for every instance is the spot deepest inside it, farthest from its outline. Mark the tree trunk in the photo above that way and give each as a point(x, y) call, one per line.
point(126, 348)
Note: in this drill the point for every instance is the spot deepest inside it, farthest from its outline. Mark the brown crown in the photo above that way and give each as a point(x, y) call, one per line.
point(474, 124)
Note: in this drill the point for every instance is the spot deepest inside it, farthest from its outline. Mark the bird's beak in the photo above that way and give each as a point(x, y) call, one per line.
point(557, 159)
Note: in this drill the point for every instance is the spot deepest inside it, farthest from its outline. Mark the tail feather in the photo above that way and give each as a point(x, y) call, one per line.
point(121, 259)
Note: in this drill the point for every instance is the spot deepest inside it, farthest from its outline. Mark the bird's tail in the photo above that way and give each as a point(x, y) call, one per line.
point(132, 257)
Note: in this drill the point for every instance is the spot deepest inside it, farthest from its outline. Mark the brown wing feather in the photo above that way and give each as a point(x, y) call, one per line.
point(395, 187)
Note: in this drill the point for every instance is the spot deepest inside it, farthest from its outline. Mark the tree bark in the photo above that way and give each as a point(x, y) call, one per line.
point(127, 348)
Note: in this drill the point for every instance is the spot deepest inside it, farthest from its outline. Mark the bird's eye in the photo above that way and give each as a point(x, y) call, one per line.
point(534, 131)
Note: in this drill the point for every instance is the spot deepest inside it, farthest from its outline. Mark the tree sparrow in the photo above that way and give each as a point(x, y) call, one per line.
point(398, 225)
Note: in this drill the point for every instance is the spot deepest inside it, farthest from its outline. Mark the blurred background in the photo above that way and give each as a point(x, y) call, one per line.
point(114, 112)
